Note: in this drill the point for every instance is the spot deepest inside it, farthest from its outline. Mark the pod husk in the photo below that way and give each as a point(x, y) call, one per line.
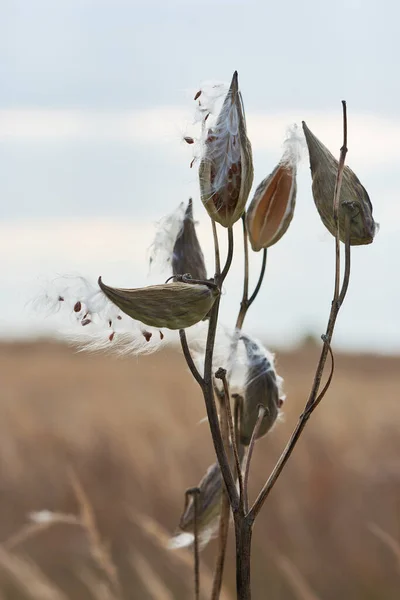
point(260, 388)
point(187, 255)
point(272, 207)
point(353, 196)
point(225, 181)
point(209, 504)
point(174, 305)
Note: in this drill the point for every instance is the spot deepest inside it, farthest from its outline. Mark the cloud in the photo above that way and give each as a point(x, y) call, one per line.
point(373, 139)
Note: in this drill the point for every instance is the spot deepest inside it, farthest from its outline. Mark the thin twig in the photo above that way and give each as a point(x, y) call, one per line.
point(347, 251)
point(237, 416)
point(216, 249)
point(225, 512)
point(189, 359)
point(221, 374)
point(260, 279)
point(328, 383)
point(336, 200)
point(228, 258)
point(208, 390)
point(195, 492)
point(338, 295)
point(246, 302)
point(246, 467)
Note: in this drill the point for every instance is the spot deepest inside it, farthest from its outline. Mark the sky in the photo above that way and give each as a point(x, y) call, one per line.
point(95, 99)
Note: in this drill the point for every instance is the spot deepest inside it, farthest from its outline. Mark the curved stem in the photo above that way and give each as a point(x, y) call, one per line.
point(189, 359)
point(260, 279)
point(225, 512)
point(246, 468)
point(229, 257)
point(195, 492)
point(216, 249)
point(221, 374)
point(338, 298)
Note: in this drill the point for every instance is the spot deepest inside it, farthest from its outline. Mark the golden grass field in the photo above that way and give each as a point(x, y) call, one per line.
point(114, 442)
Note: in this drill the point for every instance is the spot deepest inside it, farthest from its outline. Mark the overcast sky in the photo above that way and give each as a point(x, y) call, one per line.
point(95, 97)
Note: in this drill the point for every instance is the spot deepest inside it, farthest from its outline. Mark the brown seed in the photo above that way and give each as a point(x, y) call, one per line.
point(109, 323)
point(119, 317)
point(198, 94)
point(188, 139)
point(161, 335)
point(111, 336)
point(60, 299)
point(77, 307)
point(85, 322)
point(147, 335)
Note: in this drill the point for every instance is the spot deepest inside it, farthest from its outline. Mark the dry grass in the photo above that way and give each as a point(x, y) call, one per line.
point(129, 430)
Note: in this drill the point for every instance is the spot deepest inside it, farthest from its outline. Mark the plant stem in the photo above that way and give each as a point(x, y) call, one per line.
point(221, 374)
point(338, 298)
point(216, 249)
point(246, 302)
point(225, 513)
point(246, 467)
point(195, 492)
point(189, 359)
point(206, 384)
point(243, 531)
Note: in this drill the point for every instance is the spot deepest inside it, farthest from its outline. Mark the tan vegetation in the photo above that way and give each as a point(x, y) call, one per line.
point(115, 442)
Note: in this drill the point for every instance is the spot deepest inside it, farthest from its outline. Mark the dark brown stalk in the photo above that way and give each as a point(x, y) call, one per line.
point(243, 531)
point(337, 300)
point(225, 511)
point(194, 492)
point(221, 374)
point(206, 384)
point(189, 359)
point(336, 199)
point(246, 466)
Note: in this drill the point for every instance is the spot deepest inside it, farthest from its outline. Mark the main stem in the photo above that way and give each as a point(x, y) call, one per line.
point(243, 531)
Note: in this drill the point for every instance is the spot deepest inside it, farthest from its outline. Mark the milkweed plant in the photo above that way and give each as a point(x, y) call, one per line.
point(242, 391)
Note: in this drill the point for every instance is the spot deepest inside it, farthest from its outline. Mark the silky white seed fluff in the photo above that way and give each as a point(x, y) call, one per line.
point(167, 231)
point(94, 323)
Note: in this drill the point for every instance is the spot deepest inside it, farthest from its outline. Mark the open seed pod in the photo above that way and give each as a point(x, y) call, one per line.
point(272, 208)
point(187, 255)
point(354, 200)
point(226, 168)
point(174, 305)
point(261, 387)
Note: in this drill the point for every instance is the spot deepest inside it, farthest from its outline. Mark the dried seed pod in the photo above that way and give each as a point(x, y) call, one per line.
point(209, 508)
point(272, 207)
point(353, 196)
point(226, 168)
point(261, 387)
point(175, 305)
point(187, 256)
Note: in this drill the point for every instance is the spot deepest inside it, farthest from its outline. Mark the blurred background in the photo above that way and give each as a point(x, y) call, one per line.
point(95, 100)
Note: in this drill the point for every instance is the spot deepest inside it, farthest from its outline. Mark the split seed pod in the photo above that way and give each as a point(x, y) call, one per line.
point(261, 387)
point(174, 306)
point(187, 255)
point(354, 200)
point(226, 168)
point(272, 207)
point(209, 508)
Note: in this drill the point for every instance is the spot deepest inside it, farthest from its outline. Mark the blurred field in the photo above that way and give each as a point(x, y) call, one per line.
point(129, 430)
